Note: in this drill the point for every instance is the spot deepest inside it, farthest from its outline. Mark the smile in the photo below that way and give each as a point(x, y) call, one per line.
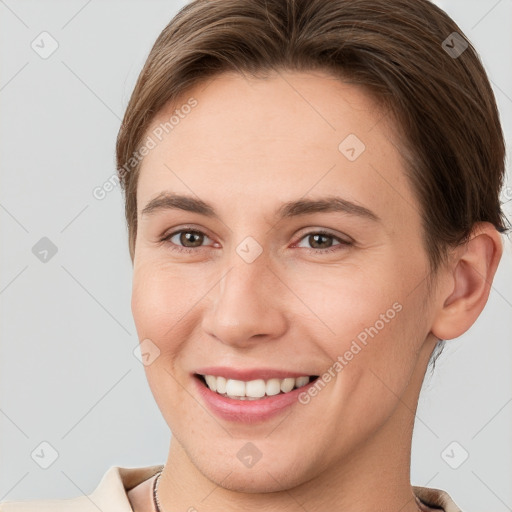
point(253, 389)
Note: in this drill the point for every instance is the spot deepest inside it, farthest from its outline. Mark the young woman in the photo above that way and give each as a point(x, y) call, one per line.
point(312, 196)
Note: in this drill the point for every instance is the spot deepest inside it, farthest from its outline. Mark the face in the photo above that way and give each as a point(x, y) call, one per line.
point(259, 277)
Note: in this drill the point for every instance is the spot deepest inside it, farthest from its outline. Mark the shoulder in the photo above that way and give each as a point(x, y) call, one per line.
point(110, 494)
point(436, 498)
point(72, 505)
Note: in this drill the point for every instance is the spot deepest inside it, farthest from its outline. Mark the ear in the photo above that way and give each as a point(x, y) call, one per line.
point(468, 282)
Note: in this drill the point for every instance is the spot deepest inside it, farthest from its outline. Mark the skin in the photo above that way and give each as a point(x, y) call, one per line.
point(249, 145)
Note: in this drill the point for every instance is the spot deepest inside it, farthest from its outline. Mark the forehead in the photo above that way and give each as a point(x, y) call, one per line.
point(284, 136)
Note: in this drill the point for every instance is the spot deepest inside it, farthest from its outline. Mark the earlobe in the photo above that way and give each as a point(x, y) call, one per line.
point(472, 272)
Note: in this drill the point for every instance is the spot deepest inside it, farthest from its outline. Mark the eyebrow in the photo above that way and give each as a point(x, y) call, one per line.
point(170, 201)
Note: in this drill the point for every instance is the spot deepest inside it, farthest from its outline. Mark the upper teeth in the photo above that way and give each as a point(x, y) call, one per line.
point(253, 388)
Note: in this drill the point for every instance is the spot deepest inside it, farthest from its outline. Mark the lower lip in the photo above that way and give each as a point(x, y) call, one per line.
point(248, 411)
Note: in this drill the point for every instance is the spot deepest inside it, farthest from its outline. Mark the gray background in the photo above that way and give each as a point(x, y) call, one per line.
point(68, 373)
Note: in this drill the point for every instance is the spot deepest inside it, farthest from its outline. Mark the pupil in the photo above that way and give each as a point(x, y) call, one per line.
point(188, 236)
point(316, 237)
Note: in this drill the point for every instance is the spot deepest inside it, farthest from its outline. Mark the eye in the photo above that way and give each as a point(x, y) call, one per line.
point(190, 238)
point(323, 242)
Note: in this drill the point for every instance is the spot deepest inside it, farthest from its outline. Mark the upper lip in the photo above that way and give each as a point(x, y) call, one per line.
point(248, 374)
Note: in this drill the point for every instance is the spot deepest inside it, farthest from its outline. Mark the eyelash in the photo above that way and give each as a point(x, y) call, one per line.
point(178, 248)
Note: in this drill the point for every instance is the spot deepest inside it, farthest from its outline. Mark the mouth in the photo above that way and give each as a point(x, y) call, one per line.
point(257, 389)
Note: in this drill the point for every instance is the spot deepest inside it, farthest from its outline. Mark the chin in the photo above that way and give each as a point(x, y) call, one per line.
point(277, 473)
point(257, 481)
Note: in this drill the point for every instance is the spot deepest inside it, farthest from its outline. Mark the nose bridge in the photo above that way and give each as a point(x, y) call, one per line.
point(244, 279)
point(243, 304)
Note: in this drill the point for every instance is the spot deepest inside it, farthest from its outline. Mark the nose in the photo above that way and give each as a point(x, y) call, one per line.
point(247, 306)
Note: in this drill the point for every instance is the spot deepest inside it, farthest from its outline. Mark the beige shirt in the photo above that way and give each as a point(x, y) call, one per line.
point(111, 495)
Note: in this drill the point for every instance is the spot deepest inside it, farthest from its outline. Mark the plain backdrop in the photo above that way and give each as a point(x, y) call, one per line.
point(73, 395)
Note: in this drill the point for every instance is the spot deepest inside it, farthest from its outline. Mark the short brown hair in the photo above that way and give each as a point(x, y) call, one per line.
point(404, 52)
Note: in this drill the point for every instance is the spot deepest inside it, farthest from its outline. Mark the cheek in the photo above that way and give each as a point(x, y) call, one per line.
point(162, 306)
point(161, 301)
point(371, 323)
point(346, 301)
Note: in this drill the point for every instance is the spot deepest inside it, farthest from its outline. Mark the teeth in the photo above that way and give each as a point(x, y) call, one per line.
point(289, 383)
point(211, 381)
point(235, 388)
point(253, 389)
point(301, 381)
point(220, 384)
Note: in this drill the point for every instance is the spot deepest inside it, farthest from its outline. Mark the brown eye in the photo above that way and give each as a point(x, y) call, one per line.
point(194, 238)
point(322, 242)
point(185, 240)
